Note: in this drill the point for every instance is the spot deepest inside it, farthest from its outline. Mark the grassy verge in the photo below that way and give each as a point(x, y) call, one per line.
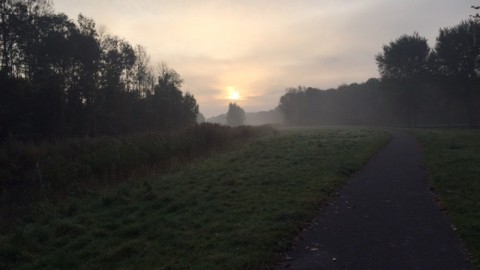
point(453, 161)
point(52, 171)
point(236, 210)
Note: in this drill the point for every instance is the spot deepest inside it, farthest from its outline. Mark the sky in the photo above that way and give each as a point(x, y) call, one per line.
point(250, 51)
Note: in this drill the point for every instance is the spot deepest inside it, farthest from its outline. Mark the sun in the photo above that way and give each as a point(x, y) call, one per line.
point(233, 93)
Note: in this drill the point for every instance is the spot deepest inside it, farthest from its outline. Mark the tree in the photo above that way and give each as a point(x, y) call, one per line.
point(189, 108)
point(291, 105)
point(457, 53)
point(117, 60)
point(405, 61)
point(168, 98)
point(85, 76)
point(6, 38)
point(60, 78)
point(14, 30)
point(476, 16)
point(200, 118)
point(143, 77)
point(235, 115)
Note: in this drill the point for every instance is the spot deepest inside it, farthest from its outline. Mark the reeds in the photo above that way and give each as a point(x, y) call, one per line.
point(56, 170)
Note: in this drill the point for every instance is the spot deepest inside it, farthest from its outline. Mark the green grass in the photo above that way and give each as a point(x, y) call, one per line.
point(236, 210)
point(51, 171)
point(453, 161)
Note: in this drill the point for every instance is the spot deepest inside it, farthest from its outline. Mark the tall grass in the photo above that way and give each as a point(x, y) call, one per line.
point(54, 171)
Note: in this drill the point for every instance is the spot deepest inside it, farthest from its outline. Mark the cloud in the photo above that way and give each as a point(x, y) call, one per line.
point(262, 47)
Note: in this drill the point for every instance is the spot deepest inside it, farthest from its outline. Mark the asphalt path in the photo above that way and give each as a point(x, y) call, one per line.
point(384, 218)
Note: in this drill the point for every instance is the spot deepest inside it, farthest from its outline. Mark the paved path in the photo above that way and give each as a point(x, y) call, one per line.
point(384, 218)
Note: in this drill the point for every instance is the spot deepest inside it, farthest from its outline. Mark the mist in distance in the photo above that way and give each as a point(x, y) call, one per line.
point(74, 76)
point(263, 47)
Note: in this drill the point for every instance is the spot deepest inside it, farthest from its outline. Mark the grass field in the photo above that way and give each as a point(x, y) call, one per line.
point(236, 210)
point(453, 161)
point(32, 172)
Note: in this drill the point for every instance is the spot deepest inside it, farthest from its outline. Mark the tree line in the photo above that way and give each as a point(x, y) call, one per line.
point(418, 85)
point(60, 78)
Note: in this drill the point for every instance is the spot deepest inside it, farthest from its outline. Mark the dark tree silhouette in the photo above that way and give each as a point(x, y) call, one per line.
point(61, 78)
point(457, 53)
point(476, 16)
point(405, 62)
point(235, 115)
point(438, 87)
point(418, 86)
point(355, 104)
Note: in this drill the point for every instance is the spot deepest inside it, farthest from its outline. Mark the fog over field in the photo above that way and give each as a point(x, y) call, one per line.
point(211, 134)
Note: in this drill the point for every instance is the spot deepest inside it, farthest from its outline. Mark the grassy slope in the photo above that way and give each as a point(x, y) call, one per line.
point(33, 172)
point(453, 160)
point(237, 210)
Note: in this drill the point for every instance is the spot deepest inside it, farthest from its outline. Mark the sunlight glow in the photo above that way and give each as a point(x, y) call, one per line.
point(233, 93)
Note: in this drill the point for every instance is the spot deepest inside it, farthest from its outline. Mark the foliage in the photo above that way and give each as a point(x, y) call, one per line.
point(404, 59)
point(453, 161)
point(356, 104)
point(476, 16)
point(457, 52)
point(235, 115)
point(405, 62)
point(237, 210)
point(60, 79)
point(418, 86)
point(73, 166)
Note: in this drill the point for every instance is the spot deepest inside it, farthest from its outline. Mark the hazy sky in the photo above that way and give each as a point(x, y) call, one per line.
point(258, 47)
